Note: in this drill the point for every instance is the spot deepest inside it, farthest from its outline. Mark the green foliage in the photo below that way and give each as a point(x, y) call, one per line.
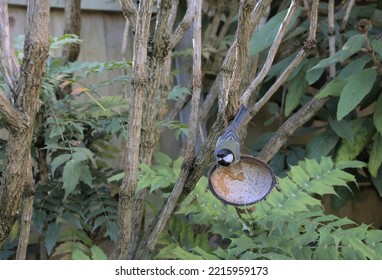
point(289, 224)
point(178, 92)
point(178, 127)
point(352, 46)
point(363, 130)
point(333, 88)
point(343, 129)
point(159, 176)
point(96, 253)
point(353, 93)
point(60, 42)
point(357, 87)
point(297, 88)
point(375, 159)
point(321, 145)
point(76, 209)
point(68, 224)
point(263, 38)
point(378, 114)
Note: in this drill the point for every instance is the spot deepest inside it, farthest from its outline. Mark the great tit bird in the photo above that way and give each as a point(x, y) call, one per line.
point(227, 150)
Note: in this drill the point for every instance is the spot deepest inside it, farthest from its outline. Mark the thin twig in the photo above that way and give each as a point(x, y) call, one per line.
point(363, 26)
point(302, 115)
point(371, 52)
point(280, 81)
point(253, 64)
point(311, 41)
point(173, 13)
point(183, 26)
point(196, 83)
point(308, 45)
point(224, 29)
point(258, 11)
point(271, 54)
point(332, 37)
point(214, 26)
point(57, 123)
point(347, 15)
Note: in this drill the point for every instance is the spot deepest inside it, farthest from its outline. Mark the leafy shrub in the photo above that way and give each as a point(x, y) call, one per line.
point(290, 223)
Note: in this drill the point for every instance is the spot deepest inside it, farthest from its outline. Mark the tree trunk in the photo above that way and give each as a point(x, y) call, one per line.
point(19, 111)
point(145, 115)
point(139, 84)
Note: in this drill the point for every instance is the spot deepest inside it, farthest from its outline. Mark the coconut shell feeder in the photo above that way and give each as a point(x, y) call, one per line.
point(246, 182)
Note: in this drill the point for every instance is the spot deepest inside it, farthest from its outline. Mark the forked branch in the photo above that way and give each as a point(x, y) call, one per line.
point(150, 239)
point(307, 47)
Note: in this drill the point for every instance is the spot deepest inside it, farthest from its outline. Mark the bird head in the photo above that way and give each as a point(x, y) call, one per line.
point(225, 157)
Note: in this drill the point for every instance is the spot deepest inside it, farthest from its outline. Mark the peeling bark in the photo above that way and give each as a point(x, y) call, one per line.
point(17, 177)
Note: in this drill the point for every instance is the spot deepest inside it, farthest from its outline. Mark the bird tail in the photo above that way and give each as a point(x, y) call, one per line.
point(240, 116)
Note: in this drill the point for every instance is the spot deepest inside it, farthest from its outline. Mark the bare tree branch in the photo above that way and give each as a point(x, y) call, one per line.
point(332, 37)
point(302, 115)
point(271, 54)
point(161, 45)
point(231, 80)
point(253, 61)
point(26, 220)
point(290, 126)
point(258, 11)
point(9, 65)
point(17, 179)
point(129, 12)
point(70, 52)
point(311, 41)
point(363, 26)
point(150, 239)
point(123, 55)
point(36, 48)
point(193, 170)
point(183, 26)
point(204, 155)
point(139, 84)
point(72, 14)
point(15, 119)
point(228, 63)
point(347, 15)
point(308, 45)
point(174, 9)
point(227, 23)
point(151, 111)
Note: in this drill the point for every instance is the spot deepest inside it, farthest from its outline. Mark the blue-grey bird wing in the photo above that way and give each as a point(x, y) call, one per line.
point(231, 131)
point(241, 114)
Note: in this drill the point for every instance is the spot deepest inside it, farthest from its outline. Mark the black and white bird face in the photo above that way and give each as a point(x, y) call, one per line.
point(225, 157)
